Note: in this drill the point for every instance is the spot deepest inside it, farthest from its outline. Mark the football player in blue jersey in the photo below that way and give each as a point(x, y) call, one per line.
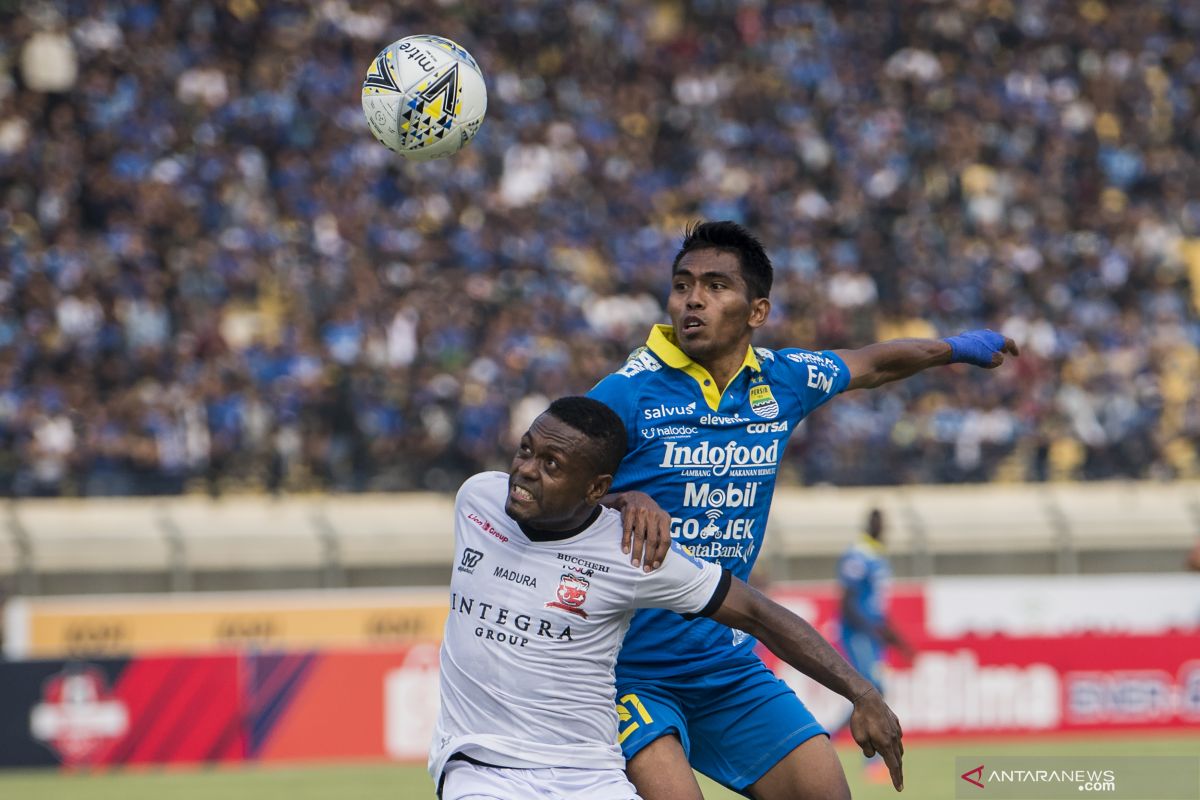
point(863, 573)
point(708, 417)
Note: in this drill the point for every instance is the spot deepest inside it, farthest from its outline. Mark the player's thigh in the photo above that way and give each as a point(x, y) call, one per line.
point(655, 742)
point(811, 771)
point(745, 724)
point(661, 771)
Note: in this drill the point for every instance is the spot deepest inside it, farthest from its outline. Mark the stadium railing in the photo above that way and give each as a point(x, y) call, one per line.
point(258, 542)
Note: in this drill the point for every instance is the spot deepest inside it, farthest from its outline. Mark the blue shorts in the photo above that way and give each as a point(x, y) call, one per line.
point(865, 654)
point(736, 726)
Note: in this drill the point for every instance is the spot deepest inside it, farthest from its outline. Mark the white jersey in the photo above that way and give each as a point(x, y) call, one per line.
point(534, 630)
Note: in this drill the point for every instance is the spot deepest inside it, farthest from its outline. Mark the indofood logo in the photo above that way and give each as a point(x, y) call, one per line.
point(731, 459)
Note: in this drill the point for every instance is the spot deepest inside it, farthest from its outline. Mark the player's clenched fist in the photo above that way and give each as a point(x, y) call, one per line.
point(877, 730)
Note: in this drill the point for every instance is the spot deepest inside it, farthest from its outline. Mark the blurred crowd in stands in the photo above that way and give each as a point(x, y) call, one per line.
point(212, 278)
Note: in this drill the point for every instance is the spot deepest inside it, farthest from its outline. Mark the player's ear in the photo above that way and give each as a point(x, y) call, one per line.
point(598, 488)
point(760, 307)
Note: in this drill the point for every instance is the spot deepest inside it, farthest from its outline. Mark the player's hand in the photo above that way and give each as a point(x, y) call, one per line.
point(982, 348)
point(647, 530)
point(877, 730)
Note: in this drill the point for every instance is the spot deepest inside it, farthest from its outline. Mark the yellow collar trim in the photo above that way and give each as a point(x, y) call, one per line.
point(871, 544)
point(663, 344)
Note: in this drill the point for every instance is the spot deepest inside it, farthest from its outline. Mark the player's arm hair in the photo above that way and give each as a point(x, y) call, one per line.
point(789, 637)
point(884, 362)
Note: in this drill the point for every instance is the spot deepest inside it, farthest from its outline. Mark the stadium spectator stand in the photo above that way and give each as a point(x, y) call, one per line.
point(213, 278)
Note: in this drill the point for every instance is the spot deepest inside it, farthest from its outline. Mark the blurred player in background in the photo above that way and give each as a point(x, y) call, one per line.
point(540, 598)
point(708, 417)
point(864, 574)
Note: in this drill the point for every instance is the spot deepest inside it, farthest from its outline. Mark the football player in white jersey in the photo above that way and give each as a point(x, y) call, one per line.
point(540, 598)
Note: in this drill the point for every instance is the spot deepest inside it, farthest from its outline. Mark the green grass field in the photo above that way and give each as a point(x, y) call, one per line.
point(929, 775)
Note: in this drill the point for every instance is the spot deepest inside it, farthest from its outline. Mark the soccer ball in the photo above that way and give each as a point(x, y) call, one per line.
point(424, 97)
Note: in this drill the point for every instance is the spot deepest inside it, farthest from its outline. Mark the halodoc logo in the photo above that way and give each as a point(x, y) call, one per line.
point(705, 460)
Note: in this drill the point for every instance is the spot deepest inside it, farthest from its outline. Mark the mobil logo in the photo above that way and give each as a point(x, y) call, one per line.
point(716, 495)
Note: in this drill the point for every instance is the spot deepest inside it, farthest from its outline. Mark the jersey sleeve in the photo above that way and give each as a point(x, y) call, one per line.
point(616, 392)
point(815, 376)
point(684, 584)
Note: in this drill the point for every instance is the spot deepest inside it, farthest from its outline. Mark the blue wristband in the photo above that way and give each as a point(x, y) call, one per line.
point(975, 347)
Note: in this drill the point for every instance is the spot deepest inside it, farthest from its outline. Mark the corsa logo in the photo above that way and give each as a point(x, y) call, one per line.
point(767, 427)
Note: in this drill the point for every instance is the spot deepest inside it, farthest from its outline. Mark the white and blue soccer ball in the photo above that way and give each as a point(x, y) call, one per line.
point(424, 97)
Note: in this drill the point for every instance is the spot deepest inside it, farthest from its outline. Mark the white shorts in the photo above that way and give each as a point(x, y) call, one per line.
point(467, 781)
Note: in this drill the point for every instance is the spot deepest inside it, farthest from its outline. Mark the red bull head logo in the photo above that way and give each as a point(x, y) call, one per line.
point(572, 592)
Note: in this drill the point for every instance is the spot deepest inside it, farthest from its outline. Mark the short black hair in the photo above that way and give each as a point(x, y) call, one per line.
point(733, 238)
point(600, 424)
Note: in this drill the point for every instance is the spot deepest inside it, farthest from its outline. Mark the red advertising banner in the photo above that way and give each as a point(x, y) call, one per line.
point(360, 704)
point(117, 711)
point(377, 704)
point(1001, 685)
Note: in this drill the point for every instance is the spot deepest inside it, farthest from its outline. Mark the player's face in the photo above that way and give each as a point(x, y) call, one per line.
point(551, 484)
point(709, 305)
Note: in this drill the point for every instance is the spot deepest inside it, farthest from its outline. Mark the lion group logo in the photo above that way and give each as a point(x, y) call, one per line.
point(469, 561)
point(78, 717)
point(571, 594)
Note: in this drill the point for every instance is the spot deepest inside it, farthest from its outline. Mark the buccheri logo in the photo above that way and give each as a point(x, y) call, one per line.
point(78, 716)
point(977, 780)
point(469, 561)
point(572, 592)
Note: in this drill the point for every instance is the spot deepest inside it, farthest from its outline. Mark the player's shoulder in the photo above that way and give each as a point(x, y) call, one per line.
point(603, 540)
point(484, 486)
point(791, 357)
point(853, 564)
point(641, 364)
point(641, 377)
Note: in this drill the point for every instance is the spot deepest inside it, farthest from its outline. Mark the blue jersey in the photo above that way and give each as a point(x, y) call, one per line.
point(864, 569)
point(709, 458)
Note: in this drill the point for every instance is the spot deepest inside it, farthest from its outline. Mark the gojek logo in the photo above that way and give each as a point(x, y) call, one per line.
point(977, 780)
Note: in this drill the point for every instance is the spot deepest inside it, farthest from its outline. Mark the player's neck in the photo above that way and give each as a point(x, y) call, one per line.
point(724, 367)
point(566, 531)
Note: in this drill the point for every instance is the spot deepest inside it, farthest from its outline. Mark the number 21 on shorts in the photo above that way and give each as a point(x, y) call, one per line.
point(628, 707)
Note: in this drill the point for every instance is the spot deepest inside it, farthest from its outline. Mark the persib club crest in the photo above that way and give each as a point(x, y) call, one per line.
point(572, 592)
point(762, 402)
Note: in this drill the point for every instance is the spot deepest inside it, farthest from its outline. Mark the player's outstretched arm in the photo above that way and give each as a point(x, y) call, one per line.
point(877, 364)
point(872, 723)
point(647, 527)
